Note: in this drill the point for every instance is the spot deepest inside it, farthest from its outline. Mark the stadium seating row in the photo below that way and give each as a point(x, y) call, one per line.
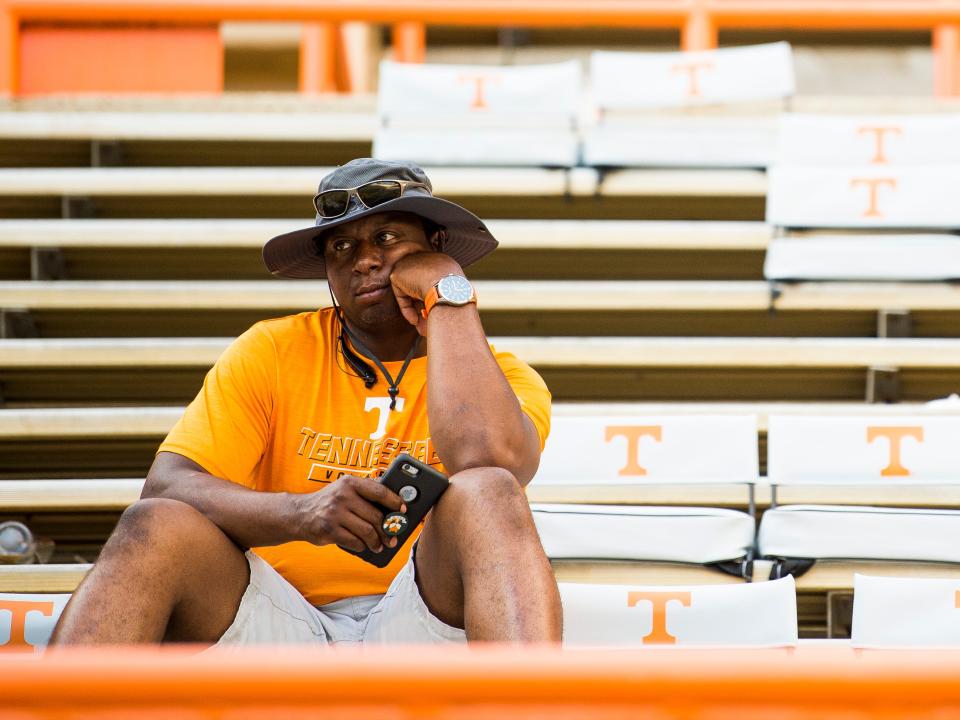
point(886, 612)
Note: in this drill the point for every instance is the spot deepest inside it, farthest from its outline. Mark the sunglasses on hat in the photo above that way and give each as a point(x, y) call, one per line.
point(334, 203)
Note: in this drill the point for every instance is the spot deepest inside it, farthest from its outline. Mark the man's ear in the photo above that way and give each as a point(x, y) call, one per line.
point(438, 240)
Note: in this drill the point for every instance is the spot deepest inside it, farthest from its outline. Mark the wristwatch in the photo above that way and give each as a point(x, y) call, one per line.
point(449, 290)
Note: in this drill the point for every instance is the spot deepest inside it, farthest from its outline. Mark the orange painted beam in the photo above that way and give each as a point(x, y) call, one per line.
point(9, 52)
point(599, 13)
point(445, 682)
point(946, 60)
point(699, 30)
point(120, 59)
point(409, 42)
point(851, 14)
point(318, 58)
point(834, 14)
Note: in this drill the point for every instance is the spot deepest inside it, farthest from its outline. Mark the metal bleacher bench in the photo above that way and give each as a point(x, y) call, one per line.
point(531, 234)
point(302, 181)
point(538, 351)
point(121, 126)
point(496, 295)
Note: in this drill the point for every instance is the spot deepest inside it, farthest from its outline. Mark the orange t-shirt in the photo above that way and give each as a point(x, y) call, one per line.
point(279, 413)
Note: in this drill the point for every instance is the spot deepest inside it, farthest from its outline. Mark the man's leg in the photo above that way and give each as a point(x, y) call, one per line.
point(480, 564)
point(166, 573)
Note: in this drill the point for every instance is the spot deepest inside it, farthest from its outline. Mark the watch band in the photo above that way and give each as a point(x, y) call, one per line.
point(433, 297)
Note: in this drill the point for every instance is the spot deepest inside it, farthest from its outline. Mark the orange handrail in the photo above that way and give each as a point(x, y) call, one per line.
point(698, 20)
point(452, 682)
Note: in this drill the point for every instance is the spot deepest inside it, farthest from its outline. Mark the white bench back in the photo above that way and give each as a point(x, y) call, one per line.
point(632, 80)
point(479, 115)
point(865, 140)
point(865, 172)
point(905, 612)
point(27, 621)
point(864, 257)
point(873, 196)
point(626, 450)
point(863, 450)
point(757, 614)
point(525, 94)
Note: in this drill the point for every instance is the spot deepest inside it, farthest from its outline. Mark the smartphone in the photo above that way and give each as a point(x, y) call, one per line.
point(420, 486)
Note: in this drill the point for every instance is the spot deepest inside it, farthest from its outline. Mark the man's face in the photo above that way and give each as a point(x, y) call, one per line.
point(360, 256)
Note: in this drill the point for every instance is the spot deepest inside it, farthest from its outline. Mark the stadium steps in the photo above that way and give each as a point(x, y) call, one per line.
point(162, 164)
point(115, 494)
point(529, 249)
point(249, 192)
point(119, 442)
point(541, 307)
point(162, 370)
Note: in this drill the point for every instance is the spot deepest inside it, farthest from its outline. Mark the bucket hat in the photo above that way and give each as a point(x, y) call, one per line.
point(298, 255)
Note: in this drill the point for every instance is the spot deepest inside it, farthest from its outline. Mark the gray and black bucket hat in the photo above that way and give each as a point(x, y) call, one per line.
point(298, 255)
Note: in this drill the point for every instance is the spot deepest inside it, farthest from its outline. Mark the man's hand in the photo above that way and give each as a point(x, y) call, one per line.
point(412, 278)
point(344, 514)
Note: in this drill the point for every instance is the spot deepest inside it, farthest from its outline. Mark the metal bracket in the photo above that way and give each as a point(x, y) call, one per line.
point(106, 153)
point(894, 324)
point(17, 323)
point(76, 208)
point(839, 613)
point(883, 385)
point(775, 292)
point(47, 264)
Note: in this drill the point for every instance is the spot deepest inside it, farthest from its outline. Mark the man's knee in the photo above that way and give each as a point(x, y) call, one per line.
point(488, 494)
point(157, 524)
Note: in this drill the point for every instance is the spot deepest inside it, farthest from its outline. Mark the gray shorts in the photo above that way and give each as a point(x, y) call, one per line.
point(272, 611)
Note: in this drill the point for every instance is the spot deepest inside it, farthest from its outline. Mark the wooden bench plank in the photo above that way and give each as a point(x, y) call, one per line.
point(283, 181)
point(633, 352)
point(72, 495)
point(42, 578)
point(116, 494)
point(834, 575)
point(105, 422)
point(95, 422)
point(512, 234)
point(684, 183)
point(197, 126)
point(65, 578)
point(465, 181)
point(500, 295)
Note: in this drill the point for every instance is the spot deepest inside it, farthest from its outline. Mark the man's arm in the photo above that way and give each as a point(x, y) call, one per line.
point(475, 417)
point(341, 514)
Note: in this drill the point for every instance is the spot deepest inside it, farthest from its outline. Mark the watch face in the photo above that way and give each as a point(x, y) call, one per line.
point(455, 289)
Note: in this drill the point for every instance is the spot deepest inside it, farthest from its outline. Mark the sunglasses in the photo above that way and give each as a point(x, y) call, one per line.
point(334, 203)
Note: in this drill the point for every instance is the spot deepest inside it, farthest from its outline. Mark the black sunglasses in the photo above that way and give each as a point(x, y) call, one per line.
point(334, 203)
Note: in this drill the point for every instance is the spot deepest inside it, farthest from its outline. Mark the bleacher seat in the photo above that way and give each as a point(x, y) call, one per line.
point(641, 451)
point(905, 612)
point(751, 614)
point(479, 115)
point(856, 451)
point(627, 86)
point(27, 620)
point(882, 173)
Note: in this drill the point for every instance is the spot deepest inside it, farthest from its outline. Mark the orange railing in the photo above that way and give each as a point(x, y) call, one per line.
point(698, 21)
point(460, 683)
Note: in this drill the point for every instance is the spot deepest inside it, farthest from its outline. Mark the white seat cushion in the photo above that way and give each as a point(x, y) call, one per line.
point(27, 620)
point(758, 614)
point(663, 534)
point(859, 532)
point(502, 147)
point(682, 142)
point(905, 612)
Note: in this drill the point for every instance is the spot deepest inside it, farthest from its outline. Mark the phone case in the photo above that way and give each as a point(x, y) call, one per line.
point(429, 484)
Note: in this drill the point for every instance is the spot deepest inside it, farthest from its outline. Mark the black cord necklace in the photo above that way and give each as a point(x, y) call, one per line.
point(364, 371)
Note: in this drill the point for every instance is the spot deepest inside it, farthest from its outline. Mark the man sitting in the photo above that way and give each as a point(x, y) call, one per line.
point(281, 450)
